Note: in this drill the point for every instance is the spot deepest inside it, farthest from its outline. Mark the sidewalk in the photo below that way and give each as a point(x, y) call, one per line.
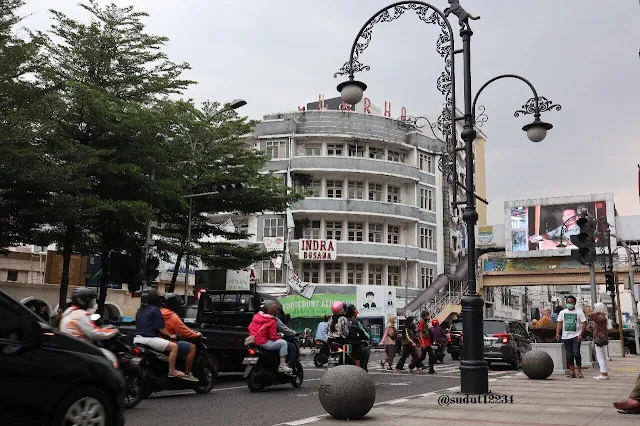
point(558, 400)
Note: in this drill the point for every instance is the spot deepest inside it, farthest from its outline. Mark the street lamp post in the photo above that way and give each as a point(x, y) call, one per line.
point(231, 106)
point(474, 369)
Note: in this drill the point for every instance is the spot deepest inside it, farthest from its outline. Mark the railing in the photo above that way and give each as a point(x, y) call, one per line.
point(440, 302)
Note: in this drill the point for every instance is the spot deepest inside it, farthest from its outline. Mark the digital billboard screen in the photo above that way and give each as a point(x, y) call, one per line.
point(543, 227)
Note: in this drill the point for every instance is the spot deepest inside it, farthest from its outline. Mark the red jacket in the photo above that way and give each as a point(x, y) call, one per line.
point(263, 327)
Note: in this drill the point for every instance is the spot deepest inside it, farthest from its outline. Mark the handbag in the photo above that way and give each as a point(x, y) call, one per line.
point(600, 341)
point(251, 339)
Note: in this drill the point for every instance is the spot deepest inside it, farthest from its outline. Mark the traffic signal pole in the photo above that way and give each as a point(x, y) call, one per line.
point(592, 279)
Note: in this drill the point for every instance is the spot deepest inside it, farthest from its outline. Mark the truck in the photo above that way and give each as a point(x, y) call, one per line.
point(223, 317)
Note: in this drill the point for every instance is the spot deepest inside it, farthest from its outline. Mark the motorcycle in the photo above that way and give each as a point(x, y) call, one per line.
point(342, 354)
point(438, 352)
point(155, 367)
point(129, 359)
point(322, 355)
point(261, 369)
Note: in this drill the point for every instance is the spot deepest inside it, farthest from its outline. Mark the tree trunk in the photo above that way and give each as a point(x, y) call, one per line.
point(104, 278)
point(174, 277)
point(67, 251)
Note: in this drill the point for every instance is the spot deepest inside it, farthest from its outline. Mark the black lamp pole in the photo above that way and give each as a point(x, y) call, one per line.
point(474, 369)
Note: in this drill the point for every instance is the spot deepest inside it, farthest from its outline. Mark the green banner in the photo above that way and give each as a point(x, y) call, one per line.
point(317, 307)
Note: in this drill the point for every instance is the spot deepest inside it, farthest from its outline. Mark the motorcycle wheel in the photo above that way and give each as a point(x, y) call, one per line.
point(297, 381)
point(207, 376)
point(135, 391)
point(319, 360)
point(254, 383)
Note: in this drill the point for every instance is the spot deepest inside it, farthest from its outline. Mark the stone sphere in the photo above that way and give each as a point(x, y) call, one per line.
point(347, 392)
point(537, 364)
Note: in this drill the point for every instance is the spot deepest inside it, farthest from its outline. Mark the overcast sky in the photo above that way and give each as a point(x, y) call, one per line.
point(582, 54)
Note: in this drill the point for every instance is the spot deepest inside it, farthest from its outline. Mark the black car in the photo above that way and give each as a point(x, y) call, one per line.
point(47, 377)
point(505, 341)
point(455, 334)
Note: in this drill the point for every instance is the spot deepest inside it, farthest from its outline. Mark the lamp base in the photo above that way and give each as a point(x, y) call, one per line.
point(474, 370)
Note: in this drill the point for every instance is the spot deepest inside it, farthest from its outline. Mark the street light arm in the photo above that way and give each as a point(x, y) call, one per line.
point(500, 77)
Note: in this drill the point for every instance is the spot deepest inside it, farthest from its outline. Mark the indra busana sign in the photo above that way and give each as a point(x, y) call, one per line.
point(317, 249)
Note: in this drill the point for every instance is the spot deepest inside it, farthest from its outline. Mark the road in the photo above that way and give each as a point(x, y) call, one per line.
point(231, 403)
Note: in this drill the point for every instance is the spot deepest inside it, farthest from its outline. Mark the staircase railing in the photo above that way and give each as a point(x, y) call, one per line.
point(440, 302)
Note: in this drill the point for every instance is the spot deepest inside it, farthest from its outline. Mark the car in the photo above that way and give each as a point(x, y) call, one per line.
point(453, 339)
point(49, 377)
point(505, 341)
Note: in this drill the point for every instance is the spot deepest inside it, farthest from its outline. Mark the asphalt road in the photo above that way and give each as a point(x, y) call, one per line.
point(231, 403)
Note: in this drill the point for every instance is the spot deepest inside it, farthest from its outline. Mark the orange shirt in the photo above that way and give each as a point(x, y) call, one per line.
point(174, 325)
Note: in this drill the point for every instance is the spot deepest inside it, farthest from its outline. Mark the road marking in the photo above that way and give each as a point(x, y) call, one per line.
point(304, 421)
point(397, 401)
point(424, 395)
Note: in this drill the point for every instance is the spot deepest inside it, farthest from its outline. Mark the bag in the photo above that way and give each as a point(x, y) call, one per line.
point(600, 341)
point(251, 339)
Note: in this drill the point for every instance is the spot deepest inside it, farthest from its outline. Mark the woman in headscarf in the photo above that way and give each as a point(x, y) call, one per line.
point(600, 337)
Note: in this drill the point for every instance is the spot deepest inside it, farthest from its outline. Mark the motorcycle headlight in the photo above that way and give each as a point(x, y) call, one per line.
point(111, 357)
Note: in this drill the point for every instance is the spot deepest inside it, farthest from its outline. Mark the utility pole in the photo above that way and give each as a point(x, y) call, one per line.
point(592, 279)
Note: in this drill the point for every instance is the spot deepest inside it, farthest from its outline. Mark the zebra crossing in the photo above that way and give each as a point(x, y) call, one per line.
point(375, 367)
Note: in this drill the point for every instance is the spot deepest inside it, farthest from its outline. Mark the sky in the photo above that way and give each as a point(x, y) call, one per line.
point(581, 54)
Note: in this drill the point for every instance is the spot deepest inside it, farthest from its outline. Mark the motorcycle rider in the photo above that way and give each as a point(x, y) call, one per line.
point(281, 327)
point(149, 325)
point(76, 320)
point(438, 335)
point(174, 325)
point(339, 330)
point(322, 331)
point(357, 333)
point(264, 329)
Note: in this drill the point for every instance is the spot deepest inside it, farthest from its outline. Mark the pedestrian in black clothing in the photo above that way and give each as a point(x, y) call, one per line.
point(408, 347)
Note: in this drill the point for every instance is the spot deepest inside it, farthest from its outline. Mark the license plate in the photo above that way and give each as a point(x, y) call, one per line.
point(250, 361)
point(136, 361)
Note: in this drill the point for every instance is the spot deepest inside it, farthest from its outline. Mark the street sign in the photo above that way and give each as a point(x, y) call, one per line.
point(200, 293)
point(252, 277)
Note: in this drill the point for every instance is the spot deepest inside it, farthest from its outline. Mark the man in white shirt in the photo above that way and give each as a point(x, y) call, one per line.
point(571, 325)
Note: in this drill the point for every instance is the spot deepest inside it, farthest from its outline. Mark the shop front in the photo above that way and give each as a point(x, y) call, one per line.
point(309, 312)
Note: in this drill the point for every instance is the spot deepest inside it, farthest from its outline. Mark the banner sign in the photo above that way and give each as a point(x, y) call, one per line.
point(317, 249)
point(372, 300)
point(273, 243)
point(238, 280)
point(316, 307)
point(305, 290)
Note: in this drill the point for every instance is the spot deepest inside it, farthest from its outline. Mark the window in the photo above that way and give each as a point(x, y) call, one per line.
point(393, 236)
point(375, 192)
point(313, 231)
point(393, 194)
point(426, 238)
point(355, 272)
point(313, 149)
point(334, 188)
point(396, 156)
point(375, 274)
point(332, 273)
point(376, 153)
point(426, 199)
point(375, 232)
point(334, 230)
point(425, 163)
point(315, 188)
point(335, 149)
point(271, 275)
point(12, 275)
point(274, 227)
point(10, 326)
point(311, 273)
point(276, 149)
point(356, 190)
point(393, 276)
point(356, 231)
point(356, 150)
point(427, 276)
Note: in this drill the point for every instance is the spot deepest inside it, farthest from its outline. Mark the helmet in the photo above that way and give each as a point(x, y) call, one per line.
point(268, 304)
point(150, 297)
point(172, 301)
point(435, 322)
point(336, 307)
point(83, 297)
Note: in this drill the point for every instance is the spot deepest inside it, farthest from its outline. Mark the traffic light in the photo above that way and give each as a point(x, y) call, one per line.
point(152, 269)
point(610, 281)
point(585, 241)
point(231, 187)
point(137, 273)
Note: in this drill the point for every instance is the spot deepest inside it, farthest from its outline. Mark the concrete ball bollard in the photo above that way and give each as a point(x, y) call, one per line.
point(537, 364)
point(347, 392)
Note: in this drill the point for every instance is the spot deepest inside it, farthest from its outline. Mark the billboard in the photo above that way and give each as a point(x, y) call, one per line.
point(538, 227)
point(375, 301)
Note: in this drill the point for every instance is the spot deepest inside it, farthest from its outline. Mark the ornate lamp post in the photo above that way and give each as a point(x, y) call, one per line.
point(474, 369)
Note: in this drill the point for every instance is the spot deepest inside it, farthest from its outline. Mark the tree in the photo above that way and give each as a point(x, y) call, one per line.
point(24, 104)
point(213, 153)
point(113, 74)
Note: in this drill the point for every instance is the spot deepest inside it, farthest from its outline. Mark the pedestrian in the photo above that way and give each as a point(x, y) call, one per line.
point(556, 312)
point(600, 337)
point(389, 342)
point(42, 313)
point(630, 405)
point(408, 346)
point(572, 323)
point(322, 331)
point(424, 341)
